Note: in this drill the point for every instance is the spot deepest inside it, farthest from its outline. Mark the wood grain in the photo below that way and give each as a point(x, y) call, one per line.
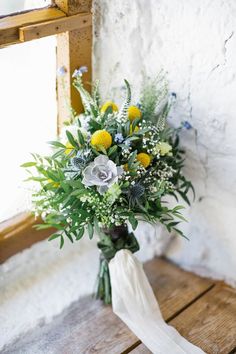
point(74, 49)
point(90, 327)
point(9, 26)
point(18, 233)
point(211, 321)
point(174, 287)
point(60, 25)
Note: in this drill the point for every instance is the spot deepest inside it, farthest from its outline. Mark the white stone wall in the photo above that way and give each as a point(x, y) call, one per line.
point(195, 42)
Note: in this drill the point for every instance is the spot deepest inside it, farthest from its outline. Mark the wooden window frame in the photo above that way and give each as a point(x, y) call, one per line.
point(71, 21)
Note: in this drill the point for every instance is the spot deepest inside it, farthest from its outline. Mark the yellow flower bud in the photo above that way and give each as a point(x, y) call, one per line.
point(144, 159)
point(101, 137)
point(109, 104)
point(133, 113)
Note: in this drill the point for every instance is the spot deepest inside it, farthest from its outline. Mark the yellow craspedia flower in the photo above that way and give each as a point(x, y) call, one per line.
point(136, 129)
point(69, 148)
point(109, 104)
point(144, 159)
point(133, 113)
point(101, 137)
point(164, 148)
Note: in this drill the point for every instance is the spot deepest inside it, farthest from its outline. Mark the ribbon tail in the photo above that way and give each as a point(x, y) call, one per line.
point(134, 302)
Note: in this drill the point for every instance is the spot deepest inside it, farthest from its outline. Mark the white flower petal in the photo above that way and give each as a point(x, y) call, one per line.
point(101, 160)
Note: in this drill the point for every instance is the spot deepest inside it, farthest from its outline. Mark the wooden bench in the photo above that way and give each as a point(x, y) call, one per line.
point(204, 311)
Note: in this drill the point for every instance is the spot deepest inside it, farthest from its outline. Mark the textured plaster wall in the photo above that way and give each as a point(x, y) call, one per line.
point(195, 42)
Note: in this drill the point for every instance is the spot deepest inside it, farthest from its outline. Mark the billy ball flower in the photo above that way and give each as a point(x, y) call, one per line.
point(133, 113)
point(144, 159)
point(102, 173)
point(101, 137)
point(107, 105)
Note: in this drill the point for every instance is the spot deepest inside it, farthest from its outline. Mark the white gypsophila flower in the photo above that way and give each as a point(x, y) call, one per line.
point(84, 121)
point(102, 173)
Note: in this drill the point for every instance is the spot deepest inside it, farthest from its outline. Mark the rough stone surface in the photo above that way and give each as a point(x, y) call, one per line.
point(195, 42)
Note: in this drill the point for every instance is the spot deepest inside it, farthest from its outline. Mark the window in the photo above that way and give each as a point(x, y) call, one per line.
point(28, 114)
point(12, 6)
point(31, 109)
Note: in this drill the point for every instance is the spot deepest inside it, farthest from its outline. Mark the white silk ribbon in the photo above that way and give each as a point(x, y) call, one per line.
point(134, 302)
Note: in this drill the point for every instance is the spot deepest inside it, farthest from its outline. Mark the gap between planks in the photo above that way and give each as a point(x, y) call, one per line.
point(142, 348)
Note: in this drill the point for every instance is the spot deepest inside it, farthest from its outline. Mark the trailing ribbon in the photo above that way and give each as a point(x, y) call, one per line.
point(134, 302)
point(112, 241)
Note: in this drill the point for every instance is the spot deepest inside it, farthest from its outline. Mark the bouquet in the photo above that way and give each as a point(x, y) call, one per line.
point(111, 168)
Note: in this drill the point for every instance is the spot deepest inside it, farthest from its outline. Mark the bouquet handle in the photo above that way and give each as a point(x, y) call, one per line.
point(134, 302)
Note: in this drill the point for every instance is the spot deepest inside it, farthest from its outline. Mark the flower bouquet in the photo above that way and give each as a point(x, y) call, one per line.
point(111, 167)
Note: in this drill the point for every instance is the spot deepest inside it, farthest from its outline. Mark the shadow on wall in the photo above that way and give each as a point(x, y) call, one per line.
point(196, 44)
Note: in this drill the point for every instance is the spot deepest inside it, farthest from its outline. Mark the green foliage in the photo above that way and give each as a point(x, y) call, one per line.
point(72, 207)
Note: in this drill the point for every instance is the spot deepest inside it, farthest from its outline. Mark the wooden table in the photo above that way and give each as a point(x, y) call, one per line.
point(202, 310)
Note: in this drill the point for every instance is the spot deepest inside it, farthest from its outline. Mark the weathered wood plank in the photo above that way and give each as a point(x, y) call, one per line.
point(141, 349)
point(211, 321)
point(9, 26)
point(79, 21)
point(18, 233)
point(90, 327)
point(74, 49)
point(174, 287)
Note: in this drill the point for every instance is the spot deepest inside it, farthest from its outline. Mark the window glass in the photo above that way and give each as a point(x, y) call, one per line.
point(28, 115)
point(12, 6)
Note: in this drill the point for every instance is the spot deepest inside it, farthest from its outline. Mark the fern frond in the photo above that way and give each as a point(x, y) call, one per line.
point(154, 93)
point(122, 116)
point(161, 118)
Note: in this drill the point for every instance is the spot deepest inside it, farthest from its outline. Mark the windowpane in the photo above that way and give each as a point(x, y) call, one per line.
point(28, 115)
point(12, 6)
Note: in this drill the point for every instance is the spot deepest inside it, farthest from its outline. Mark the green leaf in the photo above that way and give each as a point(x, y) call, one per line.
point(58, 153)
point(80, 233)
point(133, 221)
point(69, 236)
point(54, 236)
point(184, 196)
point(112, 150)
point(80, 137)
point(61, 242)
point(132, 159)
point(72, 139)
point(28, 164)
point(90, 230)
point(56, 144)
